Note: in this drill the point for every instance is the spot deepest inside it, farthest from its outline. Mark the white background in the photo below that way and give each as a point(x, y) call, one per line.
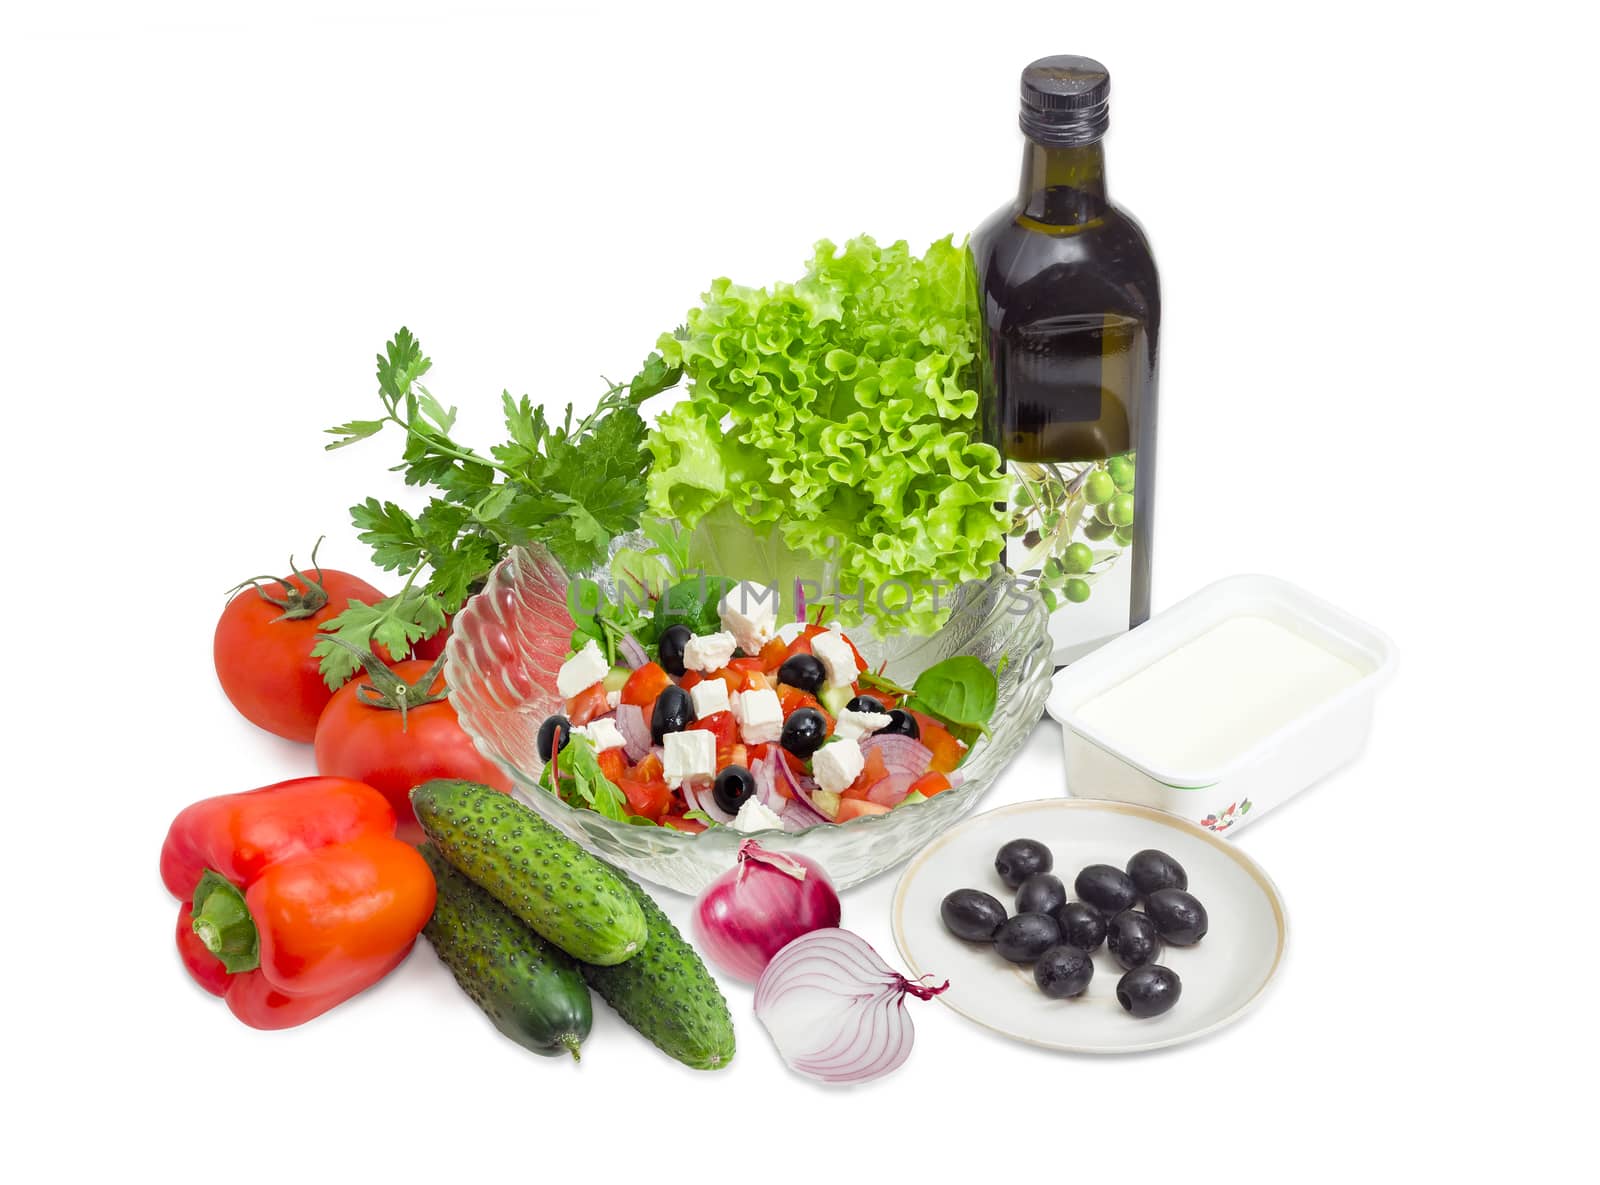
point(1375, 230)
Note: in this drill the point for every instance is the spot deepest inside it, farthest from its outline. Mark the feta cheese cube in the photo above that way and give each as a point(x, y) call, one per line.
point(750, 612)
point(710, 653)
point(583, 670)
point(760, 716)
point(837, 659)
point(788, 633)
point(602, 734)
point(855, 725)
point(613, 700)
point(709, 696)
point(755, 815)
point(837, 764)
point(689, 755)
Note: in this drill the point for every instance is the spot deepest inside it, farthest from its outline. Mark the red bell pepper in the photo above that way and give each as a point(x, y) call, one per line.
point(295, 896)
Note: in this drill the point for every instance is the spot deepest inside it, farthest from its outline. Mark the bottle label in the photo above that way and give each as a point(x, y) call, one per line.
point(1071, 536)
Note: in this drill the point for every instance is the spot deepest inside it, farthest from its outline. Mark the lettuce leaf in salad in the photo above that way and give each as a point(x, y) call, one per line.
point(840, 412)
point(581, 783)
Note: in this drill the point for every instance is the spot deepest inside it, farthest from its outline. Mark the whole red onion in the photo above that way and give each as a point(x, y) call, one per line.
point(759, 906)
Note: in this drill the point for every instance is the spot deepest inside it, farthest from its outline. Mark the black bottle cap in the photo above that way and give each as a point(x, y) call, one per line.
point(1066, 100)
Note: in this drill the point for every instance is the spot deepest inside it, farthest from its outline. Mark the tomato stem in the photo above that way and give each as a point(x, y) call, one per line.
point(223, 923)
point(297, 602)
point(389, 690)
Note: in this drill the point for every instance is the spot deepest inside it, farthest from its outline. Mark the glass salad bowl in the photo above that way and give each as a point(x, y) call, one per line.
point(510, 639)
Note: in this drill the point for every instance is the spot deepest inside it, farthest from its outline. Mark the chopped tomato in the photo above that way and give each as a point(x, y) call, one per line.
point(746, 664)
point(645, 788)
point(689, 679)
point(612, 763)
point(929, 784)
point(679, 823)
point(720, 724)
point(850, 808)
point(892, 790)
point(791, 699)
point(873, 771)
point(947, 751)
point(759, 752)
point(773, 654)
point(802, 644)
point(644, 685)
point(796, 764)
point(587, 704)
point(734, 679)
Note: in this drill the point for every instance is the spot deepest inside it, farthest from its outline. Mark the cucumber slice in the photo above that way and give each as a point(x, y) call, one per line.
point(615, 678)
point(833, 699)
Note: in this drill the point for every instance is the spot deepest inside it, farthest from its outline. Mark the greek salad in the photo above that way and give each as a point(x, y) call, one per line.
point(699, 710)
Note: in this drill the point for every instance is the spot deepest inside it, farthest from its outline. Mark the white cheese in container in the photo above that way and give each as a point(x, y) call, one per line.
point(1224, 705)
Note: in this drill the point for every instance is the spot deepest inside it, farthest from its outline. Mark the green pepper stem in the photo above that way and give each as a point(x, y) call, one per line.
point(223, 923)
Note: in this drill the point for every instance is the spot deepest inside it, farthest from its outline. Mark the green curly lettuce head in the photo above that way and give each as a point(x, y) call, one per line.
point(839, 409)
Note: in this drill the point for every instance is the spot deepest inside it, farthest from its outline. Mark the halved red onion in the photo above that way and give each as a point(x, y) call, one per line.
point(835, 1009)
point(635, 731)
point(901, 754)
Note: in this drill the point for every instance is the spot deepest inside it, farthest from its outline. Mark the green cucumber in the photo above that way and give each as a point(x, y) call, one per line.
point(616, 678)
point(530, 989)
point(667, 994)
point(537, 873)
point(833, 699)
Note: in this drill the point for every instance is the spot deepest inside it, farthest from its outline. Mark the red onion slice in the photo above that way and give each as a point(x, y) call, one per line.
point(700, 798)
point(901, 754)
point(835, 1009)
point(635, 731)
point(767, 786)
point(631, 652)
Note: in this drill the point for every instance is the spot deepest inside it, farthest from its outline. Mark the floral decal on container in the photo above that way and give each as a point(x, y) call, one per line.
point(1235, 812)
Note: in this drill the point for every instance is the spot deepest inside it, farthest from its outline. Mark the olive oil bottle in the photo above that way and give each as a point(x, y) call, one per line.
point(1070, 308)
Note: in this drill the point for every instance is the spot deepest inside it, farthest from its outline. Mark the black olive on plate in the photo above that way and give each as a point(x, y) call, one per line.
point(803, 732)
point(972, 914)
point(1027, 936)
point(1106, 888)
point(866, 703)
point(1178, 915)
point(554, 734)
point(1041, 893)
point(804, 671)
point(1132, 939)
point(1150, 990)
point(1152, 869)
point(1063, 971)
point(901, 723)
point(1082, 925)
point(1020, 859)
point(673, 641)
point(673, 713)
point(733, 786)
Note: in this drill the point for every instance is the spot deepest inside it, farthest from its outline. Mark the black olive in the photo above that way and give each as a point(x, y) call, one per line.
point(1027, 936)
point(1132, 939)
point(1063, 971)
point(804, 731)
point(1041, 893)
point(557, 729)
point(674, 710)
point(733, 785)
point(1020, 859)
point(972, 914)
point(1082, 925)
point(804, 671)
point(674, 639)
point(866, 703)
point(1178, 915)
point(901, 723)
point(1106, 888)
point(1150, 990)
point(1151, 869)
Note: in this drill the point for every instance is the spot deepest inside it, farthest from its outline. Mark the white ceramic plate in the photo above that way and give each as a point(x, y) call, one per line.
point(1223, 975)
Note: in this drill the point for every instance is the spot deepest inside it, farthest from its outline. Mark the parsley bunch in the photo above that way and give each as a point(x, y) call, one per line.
point(570, 486)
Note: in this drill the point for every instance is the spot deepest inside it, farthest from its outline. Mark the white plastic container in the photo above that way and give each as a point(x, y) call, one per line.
point(1276, 731)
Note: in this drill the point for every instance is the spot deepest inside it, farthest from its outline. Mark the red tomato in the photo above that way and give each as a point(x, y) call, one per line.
point(721, 725)
point(802, 644)
point(646, 789)
point(930, 784)
point(587, 704)
point(773, 654)
point(355, 740)
point(873, 771)
point(644, 685)
point(679, 823)
point(791, 699)
point(851, 808)
point(690, 679)
point(947, 751)
point(432, 648)
point(263, 659)
point(612, 763)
